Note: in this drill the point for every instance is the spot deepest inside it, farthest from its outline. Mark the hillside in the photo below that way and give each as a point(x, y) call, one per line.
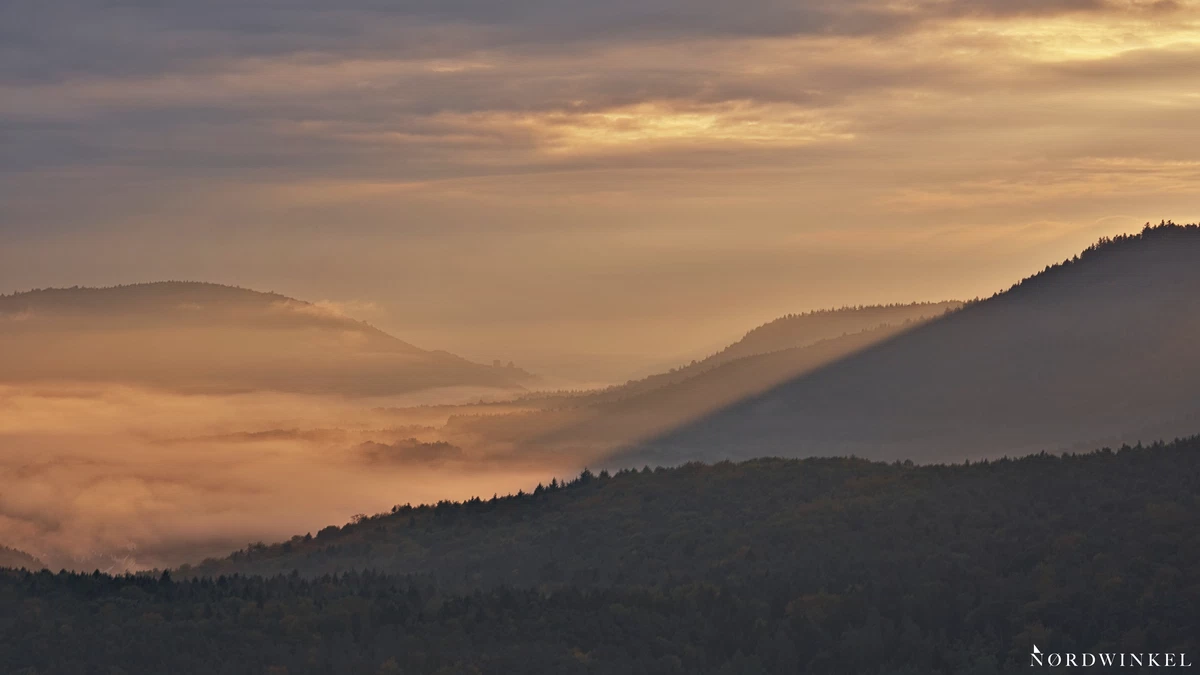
point(1099, 349)
point(819, 565)
point(211, 338)
point(590, 424)
point(787, 333)
point(800, 330)
point(598, 422)
point(699, 523)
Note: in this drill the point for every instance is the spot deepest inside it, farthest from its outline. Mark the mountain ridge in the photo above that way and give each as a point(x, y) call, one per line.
point(1061, 351)
point(632, 508)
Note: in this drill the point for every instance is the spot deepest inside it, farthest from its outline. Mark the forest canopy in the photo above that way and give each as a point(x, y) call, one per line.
point(767, 566)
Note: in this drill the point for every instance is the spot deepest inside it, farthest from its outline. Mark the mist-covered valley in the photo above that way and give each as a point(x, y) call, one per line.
point(155, 425)
point(120, 478)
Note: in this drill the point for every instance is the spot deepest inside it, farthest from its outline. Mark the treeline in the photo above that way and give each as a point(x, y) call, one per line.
point(768, 566)
point(775, 516)
point(884, 309)
point(1165, 232)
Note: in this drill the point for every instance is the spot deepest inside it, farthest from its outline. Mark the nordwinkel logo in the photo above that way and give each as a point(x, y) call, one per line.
point(1110, 659)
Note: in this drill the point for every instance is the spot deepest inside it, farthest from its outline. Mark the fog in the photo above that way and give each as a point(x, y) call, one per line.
point(115, 477)
point(149, 461)
point(155, 425)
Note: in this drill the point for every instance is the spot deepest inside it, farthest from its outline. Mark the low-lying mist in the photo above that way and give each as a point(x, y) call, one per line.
point(118, 478)
point(157, 424)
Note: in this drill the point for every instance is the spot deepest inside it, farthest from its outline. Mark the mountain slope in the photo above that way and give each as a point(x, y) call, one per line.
point(800, 330)
point(592, 423)
point(641, 413)
point(1099, 349)
point(790, 332)
point(815, 519)
point(207, 337)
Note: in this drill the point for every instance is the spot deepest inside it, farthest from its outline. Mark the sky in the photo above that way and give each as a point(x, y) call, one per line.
point(591, 189)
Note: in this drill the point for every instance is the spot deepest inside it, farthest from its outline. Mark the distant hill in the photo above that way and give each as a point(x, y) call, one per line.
point(1099, 349)
point(11, 557)
point(789, 332)
point(625, 414)
point(207, 337)
point(800, 330)
point(596, 421)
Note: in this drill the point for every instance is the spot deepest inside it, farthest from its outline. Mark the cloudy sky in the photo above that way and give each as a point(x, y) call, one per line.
point(540, 180)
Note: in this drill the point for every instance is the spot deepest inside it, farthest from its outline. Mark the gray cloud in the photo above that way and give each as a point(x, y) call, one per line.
point(432, 143)
point(67, 38)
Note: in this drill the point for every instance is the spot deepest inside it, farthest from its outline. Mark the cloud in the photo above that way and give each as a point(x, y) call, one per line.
point(358, 310)
point(443, 160)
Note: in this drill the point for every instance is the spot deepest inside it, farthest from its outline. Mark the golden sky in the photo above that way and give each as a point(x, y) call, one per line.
point(588, 188)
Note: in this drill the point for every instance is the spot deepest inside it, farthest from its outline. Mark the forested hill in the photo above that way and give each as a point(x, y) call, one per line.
point(769, 566)
point(790, 333)
point(800, 330)
point(212, 338)
point(1097, 350)
point(729, 522)
point(793, 332)
point(594, 423)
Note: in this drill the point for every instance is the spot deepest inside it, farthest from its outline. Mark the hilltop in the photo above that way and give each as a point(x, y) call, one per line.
point(207, 337)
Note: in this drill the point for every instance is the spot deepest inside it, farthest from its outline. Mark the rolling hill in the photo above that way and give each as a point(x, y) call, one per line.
point(1099, 349)
point(700, 523)
point(800, 330)
point(785, 334)
point(594, 422)
point(618, 417)
point(201, 337)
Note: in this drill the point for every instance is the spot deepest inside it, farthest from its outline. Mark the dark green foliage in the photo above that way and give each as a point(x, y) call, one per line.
point(769, 566)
